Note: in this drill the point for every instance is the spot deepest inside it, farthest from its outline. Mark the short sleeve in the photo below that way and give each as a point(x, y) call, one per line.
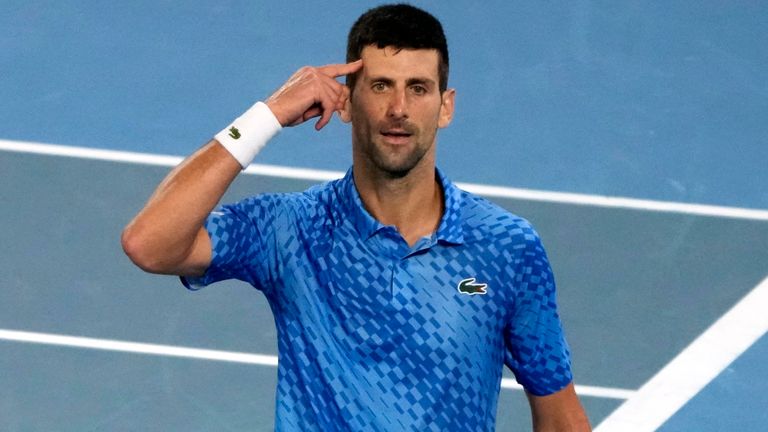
point(241, 237)
point(536, 350)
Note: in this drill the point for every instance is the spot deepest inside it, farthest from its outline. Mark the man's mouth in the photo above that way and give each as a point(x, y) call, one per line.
point(396, 135)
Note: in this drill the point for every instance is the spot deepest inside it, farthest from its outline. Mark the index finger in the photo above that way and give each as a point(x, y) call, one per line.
point(337, 70)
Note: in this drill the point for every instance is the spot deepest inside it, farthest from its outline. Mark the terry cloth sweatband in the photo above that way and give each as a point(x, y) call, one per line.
point(249, 133)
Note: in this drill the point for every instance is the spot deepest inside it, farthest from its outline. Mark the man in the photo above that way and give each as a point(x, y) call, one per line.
point(397, 297)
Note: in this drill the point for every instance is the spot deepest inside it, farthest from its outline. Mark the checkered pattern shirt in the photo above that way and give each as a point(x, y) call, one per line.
point(374, 335)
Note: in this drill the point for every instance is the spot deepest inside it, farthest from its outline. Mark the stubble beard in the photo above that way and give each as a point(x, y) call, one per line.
point(394, 165)
point(395, 162)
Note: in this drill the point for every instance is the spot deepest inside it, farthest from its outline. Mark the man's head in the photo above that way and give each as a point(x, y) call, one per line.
point(399, 98)
point(398, 26)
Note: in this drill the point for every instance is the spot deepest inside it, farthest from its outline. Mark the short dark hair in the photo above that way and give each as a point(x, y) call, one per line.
point(400, 26)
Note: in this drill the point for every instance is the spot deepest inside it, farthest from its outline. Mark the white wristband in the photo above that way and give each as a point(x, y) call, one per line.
point(249, 133)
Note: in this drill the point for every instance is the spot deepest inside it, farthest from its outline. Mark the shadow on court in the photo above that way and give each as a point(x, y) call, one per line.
point(635, 287)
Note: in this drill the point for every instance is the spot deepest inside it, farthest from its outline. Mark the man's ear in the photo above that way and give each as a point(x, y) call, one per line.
point(446, 108)
point(345, 113)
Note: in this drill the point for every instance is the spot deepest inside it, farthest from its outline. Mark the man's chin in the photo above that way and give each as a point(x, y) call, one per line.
point(396, 170)
point(395, 164)
point(397, 173)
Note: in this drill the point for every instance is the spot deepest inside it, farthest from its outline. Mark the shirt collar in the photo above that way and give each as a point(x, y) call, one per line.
point(365, 224)
point(450, 228)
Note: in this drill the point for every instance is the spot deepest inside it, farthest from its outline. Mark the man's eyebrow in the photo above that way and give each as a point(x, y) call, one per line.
point(419, 80)
point(429, 82)
point(381, 79)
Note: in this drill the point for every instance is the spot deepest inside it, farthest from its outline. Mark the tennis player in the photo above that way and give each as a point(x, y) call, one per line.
point(398, 298)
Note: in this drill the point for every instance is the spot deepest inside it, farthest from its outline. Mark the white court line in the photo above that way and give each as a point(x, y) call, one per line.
point(226, 356)
point(322, 175)
point(582, 390)
point(137, 348)
point(697, 365)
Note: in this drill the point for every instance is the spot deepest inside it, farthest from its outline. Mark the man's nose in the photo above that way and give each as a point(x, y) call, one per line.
point(398, 104)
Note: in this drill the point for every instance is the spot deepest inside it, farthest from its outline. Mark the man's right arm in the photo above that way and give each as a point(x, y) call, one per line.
point(167, 236)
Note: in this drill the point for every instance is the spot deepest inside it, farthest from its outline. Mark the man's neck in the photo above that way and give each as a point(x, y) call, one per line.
point(414, 203)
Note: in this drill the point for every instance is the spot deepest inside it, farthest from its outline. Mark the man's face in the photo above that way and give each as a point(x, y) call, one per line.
point(396, 108)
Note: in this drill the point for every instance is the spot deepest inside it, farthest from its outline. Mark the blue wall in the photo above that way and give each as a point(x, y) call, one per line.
point(662, 100)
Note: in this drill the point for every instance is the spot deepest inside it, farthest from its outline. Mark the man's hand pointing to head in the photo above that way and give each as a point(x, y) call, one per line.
point(312, 92)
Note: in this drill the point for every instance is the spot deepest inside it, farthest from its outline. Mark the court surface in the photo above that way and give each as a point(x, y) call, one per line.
point(639, 158)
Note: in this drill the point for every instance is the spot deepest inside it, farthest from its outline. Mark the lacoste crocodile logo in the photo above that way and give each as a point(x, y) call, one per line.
point(234, 133)
point(469, 287)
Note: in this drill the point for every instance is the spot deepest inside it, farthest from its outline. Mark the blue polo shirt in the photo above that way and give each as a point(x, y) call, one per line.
point(374, 335)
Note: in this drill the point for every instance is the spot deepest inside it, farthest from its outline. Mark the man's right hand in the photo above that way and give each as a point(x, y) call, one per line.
point(312, 92)
point(162, 239)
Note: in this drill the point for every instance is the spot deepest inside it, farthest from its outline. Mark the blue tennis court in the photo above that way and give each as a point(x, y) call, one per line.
point(631, 135)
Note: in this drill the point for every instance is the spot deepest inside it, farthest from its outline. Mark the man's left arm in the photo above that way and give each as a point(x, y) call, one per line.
point(558, 412)
point(536, 350)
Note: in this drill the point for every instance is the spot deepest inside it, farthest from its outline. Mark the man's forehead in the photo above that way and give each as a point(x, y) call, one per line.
point(393, 59)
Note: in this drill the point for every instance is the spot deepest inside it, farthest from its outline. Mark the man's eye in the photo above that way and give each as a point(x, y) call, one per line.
point(419, 90)
point(378, 87)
